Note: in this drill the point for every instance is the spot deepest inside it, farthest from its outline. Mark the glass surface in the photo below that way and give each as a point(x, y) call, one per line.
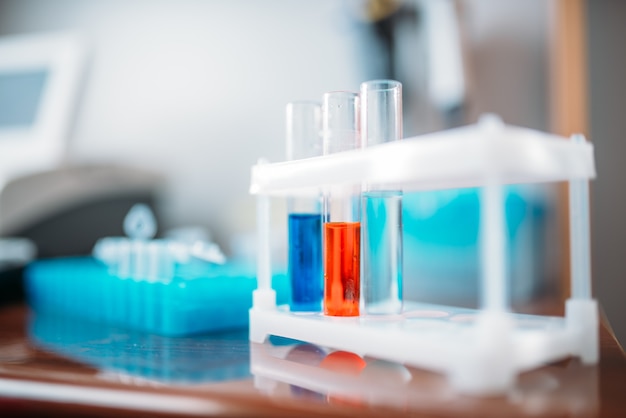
point(303, 132)
point(342, 210)
point(318, 375)
point(382, 252)
point(340, 121)
point(53, 363)
point(381, 112)
point(381, 122)
point(211, 357)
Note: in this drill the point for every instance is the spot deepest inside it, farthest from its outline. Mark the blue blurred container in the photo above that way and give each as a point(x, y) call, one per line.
point(442, 250)
point(200, 298)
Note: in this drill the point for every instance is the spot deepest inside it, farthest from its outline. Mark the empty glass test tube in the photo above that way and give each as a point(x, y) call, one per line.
point(304, 140)
point(381, 121)
point(342, 211)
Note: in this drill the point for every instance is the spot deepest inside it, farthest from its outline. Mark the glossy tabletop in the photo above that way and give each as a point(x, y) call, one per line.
point(65, 367)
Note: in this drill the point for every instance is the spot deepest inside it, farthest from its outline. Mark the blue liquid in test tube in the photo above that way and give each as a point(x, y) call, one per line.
point(305, 261)
point(305, 218)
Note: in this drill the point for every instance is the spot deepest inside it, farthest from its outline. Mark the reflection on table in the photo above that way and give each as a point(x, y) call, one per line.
point(53, 365)
point(288, 368)
point(214, 357)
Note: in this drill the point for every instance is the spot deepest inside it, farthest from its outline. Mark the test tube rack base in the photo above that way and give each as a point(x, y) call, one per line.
point(481, 351)
point(312, 372)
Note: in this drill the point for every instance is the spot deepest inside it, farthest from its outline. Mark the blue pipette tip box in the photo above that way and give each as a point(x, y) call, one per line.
point(200, 298)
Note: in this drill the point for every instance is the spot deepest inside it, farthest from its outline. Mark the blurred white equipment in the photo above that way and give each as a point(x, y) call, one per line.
point(39, 79)
point(39, 76)
point(63, 208)
point(140, 256)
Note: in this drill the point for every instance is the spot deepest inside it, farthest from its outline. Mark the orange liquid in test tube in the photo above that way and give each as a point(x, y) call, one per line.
point(342, 246)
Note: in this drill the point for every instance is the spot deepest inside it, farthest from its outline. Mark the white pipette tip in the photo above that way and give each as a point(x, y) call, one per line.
point(140, 256)
point(208, 252)
point(140, 223)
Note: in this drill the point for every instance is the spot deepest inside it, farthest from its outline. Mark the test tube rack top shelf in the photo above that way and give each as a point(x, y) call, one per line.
point(481, 351)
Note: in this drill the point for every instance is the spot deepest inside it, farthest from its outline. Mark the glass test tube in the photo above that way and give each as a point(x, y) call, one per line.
point(305, 217)
point(381, 121)
point(342, 211)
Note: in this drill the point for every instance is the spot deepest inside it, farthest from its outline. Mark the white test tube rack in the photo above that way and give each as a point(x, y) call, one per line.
point(480, 351)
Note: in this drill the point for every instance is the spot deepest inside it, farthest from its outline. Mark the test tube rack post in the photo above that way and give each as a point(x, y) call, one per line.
point(480, 351)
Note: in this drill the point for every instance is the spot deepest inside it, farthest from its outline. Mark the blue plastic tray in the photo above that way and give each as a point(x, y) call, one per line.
point(200, 298)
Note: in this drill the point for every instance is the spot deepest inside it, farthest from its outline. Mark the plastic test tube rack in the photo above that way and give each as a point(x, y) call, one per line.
point(481, 351)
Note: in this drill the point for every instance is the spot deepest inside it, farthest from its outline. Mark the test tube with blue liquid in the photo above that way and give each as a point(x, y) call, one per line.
point(381, 122)
point(342, 210)
point(305, 217)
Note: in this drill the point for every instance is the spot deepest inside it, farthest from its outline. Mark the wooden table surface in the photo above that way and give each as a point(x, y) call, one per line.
point(59, 367)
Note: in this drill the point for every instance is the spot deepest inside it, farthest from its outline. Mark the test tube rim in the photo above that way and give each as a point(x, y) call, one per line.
point(377, 83)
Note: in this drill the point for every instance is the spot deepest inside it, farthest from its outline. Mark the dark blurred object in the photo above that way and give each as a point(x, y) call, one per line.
point(64, 211)
point(422, 45)
point(11, 285)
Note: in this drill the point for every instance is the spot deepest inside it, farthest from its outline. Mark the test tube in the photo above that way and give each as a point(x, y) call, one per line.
point(381, 121)
point(342, 211)
point(305, 217)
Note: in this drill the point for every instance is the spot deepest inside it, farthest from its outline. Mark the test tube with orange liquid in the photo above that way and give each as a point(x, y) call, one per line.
point(342, 210)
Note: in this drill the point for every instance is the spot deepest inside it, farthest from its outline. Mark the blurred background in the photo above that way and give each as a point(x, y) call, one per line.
point(175, 100)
